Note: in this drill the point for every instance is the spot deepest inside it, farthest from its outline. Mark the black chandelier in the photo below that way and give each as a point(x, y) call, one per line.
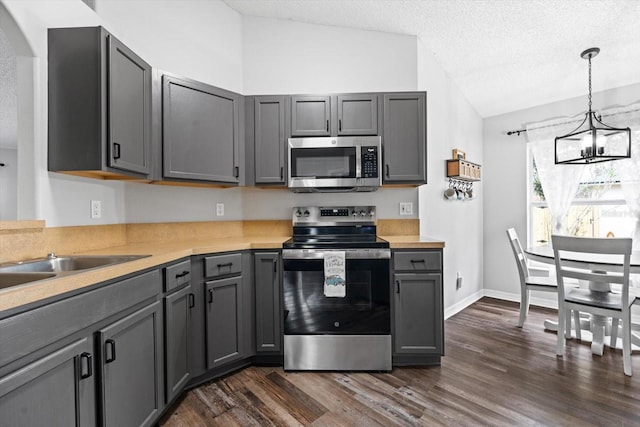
point(592, 141)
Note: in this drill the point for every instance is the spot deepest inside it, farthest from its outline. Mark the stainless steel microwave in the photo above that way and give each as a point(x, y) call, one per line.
point(335, 164)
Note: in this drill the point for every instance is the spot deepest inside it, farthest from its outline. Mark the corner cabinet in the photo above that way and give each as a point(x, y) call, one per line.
point(99, 105)
point(418, 335)
point(200, 132)
point(404, 138)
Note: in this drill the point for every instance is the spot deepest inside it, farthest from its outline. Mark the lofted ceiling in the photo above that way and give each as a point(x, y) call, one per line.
point(504, 55)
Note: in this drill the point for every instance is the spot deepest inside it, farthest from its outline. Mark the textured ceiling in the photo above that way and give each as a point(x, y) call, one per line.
point(504, 55)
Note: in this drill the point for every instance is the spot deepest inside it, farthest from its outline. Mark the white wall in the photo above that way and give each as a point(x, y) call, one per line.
point(286, 57)
point(8, 184)
point(451, 123)
point(505, 185)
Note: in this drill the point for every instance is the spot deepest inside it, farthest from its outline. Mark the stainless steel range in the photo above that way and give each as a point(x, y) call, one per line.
point(336, 291)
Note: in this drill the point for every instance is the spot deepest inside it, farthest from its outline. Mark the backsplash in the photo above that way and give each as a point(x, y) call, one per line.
point(38, 241)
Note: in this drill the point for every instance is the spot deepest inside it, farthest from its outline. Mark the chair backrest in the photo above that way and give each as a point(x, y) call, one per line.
point(601, 260)
point(518, 253)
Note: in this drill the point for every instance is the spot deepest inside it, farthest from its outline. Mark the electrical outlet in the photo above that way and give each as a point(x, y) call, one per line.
point(458, 280)
point(406, 208)
point(219, 209)
point(96, 209)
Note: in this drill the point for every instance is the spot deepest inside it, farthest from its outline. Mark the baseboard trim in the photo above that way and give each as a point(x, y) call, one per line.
point(461, 305)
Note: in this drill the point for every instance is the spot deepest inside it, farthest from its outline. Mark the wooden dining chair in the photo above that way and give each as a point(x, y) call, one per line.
point(615, 304)
point(530, 279)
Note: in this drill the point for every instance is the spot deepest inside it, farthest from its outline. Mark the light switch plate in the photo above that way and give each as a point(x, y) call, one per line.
point(406, 208)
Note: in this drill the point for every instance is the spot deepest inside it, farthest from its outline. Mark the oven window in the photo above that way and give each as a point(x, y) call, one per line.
point(364, 310)
point(338, 162)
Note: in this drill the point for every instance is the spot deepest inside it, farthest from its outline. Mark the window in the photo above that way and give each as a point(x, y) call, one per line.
point(598, 209)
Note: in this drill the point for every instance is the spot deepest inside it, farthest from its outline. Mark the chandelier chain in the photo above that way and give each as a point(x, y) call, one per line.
point(589, 82)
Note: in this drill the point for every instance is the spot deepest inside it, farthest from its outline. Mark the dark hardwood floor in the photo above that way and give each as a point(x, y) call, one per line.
point(493, 373)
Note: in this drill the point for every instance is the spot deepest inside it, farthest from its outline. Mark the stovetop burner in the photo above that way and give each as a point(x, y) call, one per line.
point(334, 227)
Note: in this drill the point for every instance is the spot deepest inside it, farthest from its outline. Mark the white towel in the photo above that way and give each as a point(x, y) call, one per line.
point(335, 283)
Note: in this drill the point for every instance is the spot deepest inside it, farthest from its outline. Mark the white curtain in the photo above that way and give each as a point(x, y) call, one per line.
point(629, 169)
point(559, 182)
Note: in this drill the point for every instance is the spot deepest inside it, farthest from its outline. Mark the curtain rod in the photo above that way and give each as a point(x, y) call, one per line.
point(519, 131)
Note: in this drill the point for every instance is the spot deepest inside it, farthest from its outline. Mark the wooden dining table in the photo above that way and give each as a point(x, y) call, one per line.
point(597, 325)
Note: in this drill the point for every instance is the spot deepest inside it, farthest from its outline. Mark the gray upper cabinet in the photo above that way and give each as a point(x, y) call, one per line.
point(99, 105)
point(200, 132)
point(57, 389)
point(310, 115)
point(404, 138)
point(270, 156)
point(357, 114)
point(131, 356)
point(268, 302)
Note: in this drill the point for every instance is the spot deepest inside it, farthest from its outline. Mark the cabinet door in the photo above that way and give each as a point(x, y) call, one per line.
point(177, 317)
point(131, 359)
point(129, 109)
point(357, 114)
point(418, 313)
point(404, 140)
point(200, 132)
point(224, 321)
point(270, 154)
point(268, 307)
point(310, 115)
point(56, 390)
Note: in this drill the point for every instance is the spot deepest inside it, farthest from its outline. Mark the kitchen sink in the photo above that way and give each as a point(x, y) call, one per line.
point(63, 264)
point(13, 279)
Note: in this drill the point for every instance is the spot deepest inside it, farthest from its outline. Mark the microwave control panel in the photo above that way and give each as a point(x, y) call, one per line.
point(369, 157)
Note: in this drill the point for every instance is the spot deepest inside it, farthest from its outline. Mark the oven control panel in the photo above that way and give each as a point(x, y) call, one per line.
point(334, 214)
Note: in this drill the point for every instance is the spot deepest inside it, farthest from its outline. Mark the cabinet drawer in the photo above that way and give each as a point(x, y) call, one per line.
point(222, 265)
point(417, 261)
point(177, 275)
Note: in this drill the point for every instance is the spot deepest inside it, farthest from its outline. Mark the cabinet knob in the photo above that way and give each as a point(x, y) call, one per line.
point(210, 296)
point(397, 286)
point(192, 300)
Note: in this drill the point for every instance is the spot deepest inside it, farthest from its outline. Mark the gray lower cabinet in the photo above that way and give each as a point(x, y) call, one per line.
point(417, 307)
point(404, 138)
point(177, 318)
point(130, 361)
point(224, 312)
point(57, 389)
point(200, 132)
point(99, 105)
point(268, 301)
